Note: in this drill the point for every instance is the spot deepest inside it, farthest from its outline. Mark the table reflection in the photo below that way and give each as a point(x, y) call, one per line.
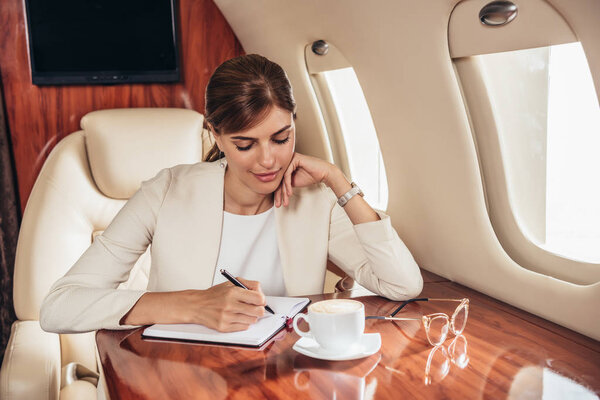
point(335, 379)
point(538, 382)
point(535, 374)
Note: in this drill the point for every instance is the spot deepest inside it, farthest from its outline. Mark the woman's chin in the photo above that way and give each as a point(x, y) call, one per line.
point(266, 188)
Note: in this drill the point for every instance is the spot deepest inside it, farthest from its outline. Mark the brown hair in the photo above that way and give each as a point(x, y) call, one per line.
point(240, 94)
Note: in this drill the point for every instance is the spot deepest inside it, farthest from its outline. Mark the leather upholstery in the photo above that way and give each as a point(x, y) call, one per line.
point(154, 139)
point(31, 366)
point(78, 390)
point(83, 184)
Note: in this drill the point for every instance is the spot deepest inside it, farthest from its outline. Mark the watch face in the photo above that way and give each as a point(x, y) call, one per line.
point(360, 192)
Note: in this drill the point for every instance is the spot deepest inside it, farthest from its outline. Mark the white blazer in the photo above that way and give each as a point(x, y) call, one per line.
point(179, 213)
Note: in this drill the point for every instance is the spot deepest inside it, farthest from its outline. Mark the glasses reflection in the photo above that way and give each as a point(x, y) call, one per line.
point(440, 359)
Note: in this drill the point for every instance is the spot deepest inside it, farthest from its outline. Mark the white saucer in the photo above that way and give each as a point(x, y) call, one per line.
point(369, 344)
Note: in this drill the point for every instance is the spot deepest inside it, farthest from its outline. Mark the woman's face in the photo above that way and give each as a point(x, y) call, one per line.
point(258, 157)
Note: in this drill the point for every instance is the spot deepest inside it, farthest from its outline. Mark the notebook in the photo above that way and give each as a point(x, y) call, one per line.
point(255, 336)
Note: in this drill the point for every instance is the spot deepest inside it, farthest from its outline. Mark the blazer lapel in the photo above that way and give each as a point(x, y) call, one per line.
point(303, 238)
point(207, 215)
point(282, 222)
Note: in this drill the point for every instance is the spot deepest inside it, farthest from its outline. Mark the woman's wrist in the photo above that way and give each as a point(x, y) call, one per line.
point(357, 209)
point(158, 307)
point(337, 181)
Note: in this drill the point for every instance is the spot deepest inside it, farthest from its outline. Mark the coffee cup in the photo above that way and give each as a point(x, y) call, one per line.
point(335, 324)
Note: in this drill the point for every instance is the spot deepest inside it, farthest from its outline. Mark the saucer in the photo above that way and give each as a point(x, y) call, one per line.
point(369, 344)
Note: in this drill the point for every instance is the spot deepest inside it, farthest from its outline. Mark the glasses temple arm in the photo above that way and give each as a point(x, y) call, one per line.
point(397, 310)
point(432, 299)
point(392, 318)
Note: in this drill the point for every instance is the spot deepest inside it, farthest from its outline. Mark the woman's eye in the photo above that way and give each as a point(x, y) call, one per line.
point(244, 148)
point(282, 141)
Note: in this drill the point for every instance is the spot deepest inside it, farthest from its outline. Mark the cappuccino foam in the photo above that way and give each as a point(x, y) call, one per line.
point(336, 306)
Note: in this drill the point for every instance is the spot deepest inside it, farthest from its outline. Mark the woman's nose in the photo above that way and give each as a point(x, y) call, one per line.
point(267, 158)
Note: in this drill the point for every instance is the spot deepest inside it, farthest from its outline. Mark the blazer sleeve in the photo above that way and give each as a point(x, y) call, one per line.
point(373, 254)
point(87, 298)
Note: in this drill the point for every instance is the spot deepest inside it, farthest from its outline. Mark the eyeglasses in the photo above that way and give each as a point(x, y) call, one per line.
point(437, 324)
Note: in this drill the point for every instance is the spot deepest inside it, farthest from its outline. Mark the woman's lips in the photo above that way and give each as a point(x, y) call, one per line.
point(266, 177)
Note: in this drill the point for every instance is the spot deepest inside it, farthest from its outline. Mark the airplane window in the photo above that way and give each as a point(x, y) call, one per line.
point(362, 150)
point(548, 120)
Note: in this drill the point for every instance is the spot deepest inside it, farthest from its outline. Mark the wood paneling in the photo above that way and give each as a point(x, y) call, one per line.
point(506, 355)
point(38, 117)
point(9, 231)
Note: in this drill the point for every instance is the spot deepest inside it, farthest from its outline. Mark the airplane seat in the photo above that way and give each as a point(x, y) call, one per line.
point(87, 178)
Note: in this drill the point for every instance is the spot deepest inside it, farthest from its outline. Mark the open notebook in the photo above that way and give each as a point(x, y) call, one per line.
point(255, 336)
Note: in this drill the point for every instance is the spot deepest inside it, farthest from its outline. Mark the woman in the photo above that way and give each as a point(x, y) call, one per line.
point(256, 208)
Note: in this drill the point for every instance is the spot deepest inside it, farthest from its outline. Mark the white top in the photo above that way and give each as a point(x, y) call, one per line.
point(249, 250)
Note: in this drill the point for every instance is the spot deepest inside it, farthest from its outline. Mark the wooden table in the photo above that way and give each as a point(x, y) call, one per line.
point(508, 352)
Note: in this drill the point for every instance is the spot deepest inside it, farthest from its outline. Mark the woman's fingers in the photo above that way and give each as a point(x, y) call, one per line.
point(288, 183)
point(282, 191)
point(234, 327)
point(280, 194)
point(306, 170)
point(252, 285)
point(287, 180)
point(286, 197)
point(277, 196)
point(225, 307)
point(252, 297)
point(251, 311)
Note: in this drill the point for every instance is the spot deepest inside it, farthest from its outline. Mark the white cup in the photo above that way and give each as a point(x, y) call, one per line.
point(335, 324)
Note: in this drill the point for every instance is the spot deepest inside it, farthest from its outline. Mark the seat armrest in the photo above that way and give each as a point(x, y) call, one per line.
point(32, 363)
point(345, 284)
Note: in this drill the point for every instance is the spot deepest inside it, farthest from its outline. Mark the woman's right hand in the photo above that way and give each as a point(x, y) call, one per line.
point(224, 307)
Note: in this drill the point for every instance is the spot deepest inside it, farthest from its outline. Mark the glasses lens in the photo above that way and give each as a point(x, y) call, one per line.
point(438, 330)
point(459, 320)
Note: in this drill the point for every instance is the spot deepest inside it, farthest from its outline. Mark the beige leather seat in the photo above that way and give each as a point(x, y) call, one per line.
point(84, 182)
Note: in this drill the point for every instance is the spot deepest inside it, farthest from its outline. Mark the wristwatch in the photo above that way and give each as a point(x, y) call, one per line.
point(350, 194)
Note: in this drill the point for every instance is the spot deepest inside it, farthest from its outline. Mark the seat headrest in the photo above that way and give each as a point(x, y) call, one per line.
point(130, 145)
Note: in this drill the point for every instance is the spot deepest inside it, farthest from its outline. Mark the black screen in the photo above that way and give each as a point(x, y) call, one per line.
point(83, 41)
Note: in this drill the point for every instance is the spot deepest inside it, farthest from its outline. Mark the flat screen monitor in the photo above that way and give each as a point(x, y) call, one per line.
point(102, 41)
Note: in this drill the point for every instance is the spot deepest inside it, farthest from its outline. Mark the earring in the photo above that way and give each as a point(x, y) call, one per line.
point(222, 158)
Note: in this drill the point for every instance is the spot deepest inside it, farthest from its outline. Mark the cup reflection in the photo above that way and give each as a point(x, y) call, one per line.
point(342, 380)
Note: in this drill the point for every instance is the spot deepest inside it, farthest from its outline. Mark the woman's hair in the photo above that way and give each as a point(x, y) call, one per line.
point(241, 92)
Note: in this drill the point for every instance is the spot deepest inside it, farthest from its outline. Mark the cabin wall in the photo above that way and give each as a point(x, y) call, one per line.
point(39, 117)
point(9, 231)
point(437, 201)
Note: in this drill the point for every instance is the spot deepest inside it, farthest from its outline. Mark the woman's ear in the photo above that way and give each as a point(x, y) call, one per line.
point(218, 141)
point(215, 135)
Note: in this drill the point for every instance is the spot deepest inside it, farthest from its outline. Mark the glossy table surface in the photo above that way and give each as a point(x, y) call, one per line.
point(503, 352)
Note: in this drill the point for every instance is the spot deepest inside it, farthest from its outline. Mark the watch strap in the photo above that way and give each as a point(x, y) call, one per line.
point(343, 200)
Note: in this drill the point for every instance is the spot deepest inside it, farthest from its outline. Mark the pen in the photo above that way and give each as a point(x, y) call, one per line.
point(237, 283)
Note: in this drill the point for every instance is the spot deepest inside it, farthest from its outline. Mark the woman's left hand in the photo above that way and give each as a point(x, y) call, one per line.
point(303, 171)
